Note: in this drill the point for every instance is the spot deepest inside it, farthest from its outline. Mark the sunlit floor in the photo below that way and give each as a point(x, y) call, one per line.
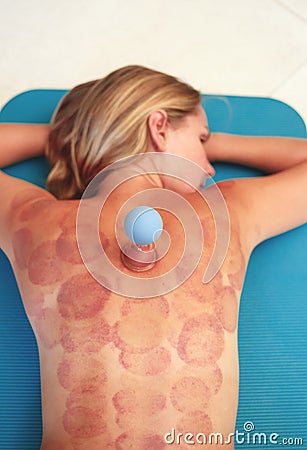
point(254, 47)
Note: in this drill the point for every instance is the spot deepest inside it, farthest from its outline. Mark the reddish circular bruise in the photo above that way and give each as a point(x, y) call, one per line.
point(67, 247)
point(154, 362)
point(48, 328)
point(83, 422)
point(157, 307)
point(141, 330)
point(186, 305)
point(195, 422)
point(81, 297)
point(201, 340)
point(142, 402)
point(192, 299)
point(189, 394)
point(81, 371)
point(99, 243)
point(68, 244)
point(43, 266)
point(228, 313)
point(22, 199)
point(86, 399)
point(90, 337)
point(211, 375)
point(85, 229)
point(22, 242)
point(34, 209)
point(133, 441)
point(202, 291)
point(38, 208)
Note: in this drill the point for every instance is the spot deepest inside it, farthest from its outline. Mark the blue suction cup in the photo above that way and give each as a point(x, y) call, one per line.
point(143, 225)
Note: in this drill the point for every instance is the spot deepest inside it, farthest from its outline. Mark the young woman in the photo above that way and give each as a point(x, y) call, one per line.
point(120, 372)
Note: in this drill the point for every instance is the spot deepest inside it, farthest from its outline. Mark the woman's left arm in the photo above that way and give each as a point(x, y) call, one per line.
point(19, 141)
point(269, 154)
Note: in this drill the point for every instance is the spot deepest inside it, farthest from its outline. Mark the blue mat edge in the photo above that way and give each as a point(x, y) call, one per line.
point(203, 97)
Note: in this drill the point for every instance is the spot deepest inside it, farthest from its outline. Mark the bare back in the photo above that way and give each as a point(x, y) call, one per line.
point(121, 373)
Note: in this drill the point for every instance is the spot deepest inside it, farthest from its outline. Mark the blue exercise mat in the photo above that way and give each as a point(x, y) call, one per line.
point(272, 322)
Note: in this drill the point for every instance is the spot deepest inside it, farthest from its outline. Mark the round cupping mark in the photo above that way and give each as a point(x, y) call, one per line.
point(143, 325)
point(67, 248)
point(142, 402)
point(85, 371)
point(89, 337)
point(82, 422)
point(189, 394)
point(44, 268)
point(80, 297)
point(147, 308)
point(79, 397)
point(201, 341)
point(153, 362)
point(33, 210)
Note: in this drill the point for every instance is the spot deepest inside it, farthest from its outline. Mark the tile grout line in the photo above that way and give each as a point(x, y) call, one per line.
point(291, 11)
point(291, 74)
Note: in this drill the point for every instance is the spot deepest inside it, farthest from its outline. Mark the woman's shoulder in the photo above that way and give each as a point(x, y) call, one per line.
point(268, 205)
point(40, 224)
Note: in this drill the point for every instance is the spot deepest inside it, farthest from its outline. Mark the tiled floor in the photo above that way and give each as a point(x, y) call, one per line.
point(254, 47)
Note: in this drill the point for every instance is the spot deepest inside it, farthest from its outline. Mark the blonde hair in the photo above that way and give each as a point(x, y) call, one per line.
point(101, 121)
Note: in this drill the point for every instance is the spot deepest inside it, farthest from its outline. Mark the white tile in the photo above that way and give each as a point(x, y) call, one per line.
point(230, 47)
point(296, 7)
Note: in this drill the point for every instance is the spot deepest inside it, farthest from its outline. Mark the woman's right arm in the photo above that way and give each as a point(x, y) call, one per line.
point(20, 141)
point(269, 154)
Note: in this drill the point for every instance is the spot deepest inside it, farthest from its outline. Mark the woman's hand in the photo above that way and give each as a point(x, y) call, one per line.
point(21, 141)
point(269, 154)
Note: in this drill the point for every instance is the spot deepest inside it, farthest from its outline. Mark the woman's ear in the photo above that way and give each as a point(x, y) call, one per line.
point(158, 123)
